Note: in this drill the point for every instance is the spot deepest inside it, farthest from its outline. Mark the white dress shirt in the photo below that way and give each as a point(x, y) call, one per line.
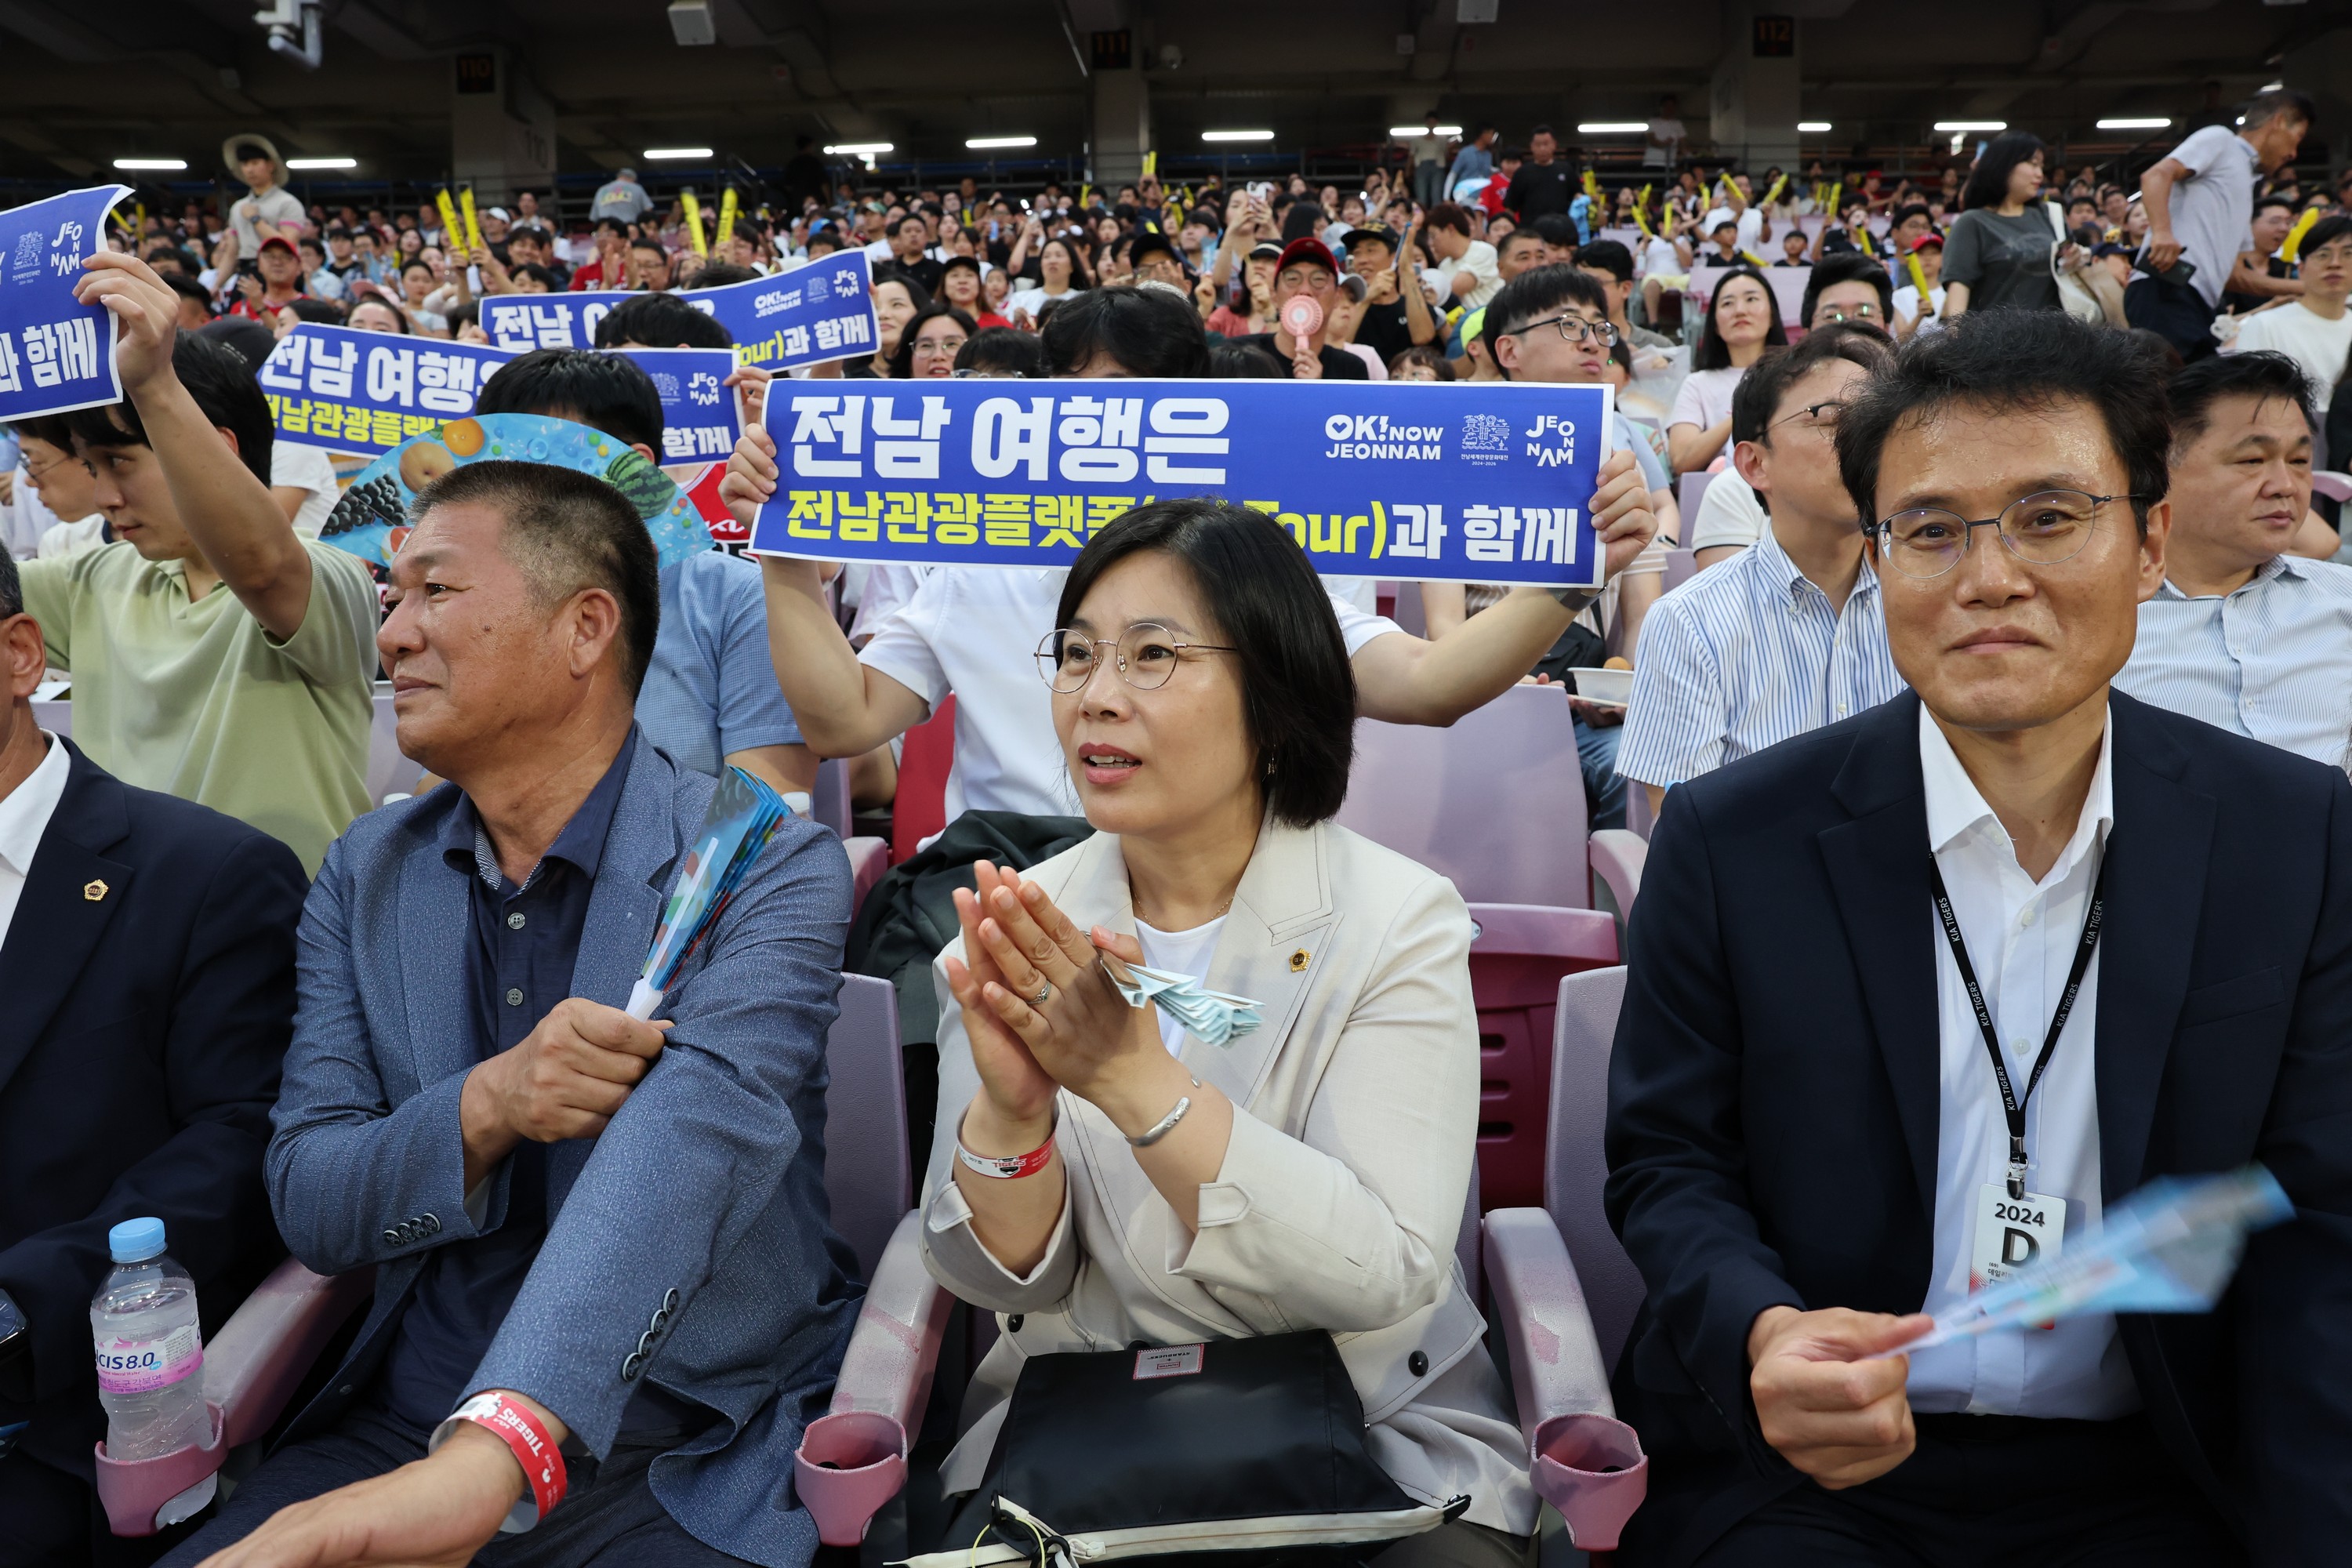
point(2020, 935)
point(24, 814)
point(2271, 660)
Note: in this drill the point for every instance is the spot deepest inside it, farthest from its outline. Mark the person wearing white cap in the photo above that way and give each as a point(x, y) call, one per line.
point(621, 197)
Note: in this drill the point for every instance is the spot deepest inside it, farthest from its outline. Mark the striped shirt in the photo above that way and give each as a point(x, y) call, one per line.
point(1744, 656)
point(2272, 661)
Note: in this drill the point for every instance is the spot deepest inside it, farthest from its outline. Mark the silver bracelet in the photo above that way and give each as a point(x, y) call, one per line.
point(1165, 1125)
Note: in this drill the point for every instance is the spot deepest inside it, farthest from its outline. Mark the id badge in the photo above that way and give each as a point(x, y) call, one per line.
point(2014, 1232)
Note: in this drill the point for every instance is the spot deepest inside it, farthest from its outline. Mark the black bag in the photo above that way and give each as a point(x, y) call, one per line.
point(1248, 1445)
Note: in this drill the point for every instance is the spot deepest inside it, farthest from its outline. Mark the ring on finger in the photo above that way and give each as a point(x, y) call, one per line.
point(1045, 993)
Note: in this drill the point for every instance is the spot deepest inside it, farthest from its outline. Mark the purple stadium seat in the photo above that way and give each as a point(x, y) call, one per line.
point(829, 801)
point(868, 1173)
point(1682, 565)
point(869, 858)
point(2335, 487)
point(1517, 956)
point(1586, 1028)
point(1495, 801)
point(251, 1368)
point(1688, 489)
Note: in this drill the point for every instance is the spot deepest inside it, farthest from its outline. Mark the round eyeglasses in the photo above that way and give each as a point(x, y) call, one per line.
point(1839, 314)
point(1144, 654)
point(2044, 529)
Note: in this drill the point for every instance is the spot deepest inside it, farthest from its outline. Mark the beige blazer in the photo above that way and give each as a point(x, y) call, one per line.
point(1342, 1190)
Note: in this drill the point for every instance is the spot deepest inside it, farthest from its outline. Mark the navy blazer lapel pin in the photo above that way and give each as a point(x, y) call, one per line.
point(93, 891)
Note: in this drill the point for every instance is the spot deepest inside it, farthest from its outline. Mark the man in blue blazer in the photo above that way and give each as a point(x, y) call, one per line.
point(589, 1231)
point(146, 996)
point(2146, 922)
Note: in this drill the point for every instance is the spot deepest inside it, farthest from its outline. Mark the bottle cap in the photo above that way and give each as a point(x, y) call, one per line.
point(136, 1240)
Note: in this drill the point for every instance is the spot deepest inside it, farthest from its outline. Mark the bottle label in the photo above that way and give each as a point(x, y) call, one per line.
point(140, 1366)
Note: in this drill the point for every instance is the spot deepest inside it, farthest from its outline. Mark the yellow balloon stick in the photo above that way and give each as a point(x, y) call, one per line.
point(1835, 190)
point(473, 228)
point(694, 223)
point(1861, 238)
point(728, 206)
point(2294, 245)
point(1918, 277)
point(451, 235)
point(1774, 193)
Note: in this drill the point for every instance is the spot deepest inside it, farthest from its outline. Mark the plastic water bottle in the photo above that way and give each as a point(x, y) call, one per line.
point(150, 1352)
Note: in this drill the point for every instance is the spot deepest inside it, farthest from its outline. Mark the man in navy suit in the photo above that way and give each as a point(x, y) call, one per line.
point(146, 998)
point(2144, 923)
point(607, 1234)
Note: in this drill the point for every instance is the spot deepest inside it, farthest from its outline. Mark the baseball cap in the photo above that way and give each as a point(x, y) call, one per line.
point(1925, 240)
point(1308, 249)
point(1265, 249)
point(281, 242)
point(1379, 232)
point(1150, 242)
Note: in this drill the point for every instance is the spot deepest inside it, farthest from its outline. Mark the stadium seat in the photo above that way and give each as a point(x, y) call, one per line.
point(1585, 1029)
point(388, 772)
point(1688, 492)
point(1493, 802)
point(829, 801)
point(1582, 1460)
point(2335, 487)
point(919, 809)
point(1682, 565)
point(1517, 955)
point(254, 1366)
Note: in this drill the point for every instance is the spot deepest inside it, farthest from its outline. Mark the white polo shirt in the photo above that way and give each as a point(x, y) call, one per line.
point(975, 631)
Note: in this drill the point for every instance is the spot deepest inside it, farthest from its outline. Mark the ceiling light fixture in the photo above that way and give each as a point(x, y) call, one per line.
point(1237, 135)
point(150, 162)
point(1964, 126)
point(664, 154)
point(1611, 127)
point(322, 163)
point(981, 144)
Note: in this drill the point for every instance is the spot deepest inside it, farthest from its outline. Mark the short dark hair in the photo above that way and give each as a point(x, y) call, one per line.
point(1904, 213)
point(1147, 331)
point(1002, 351)
point(1713, 353)
point(2194, 389)
point(220, 381)
point(2028, 360)
point(606, 391)
point(1299, 690)
point(1541, 291)
point(568, 531)
point(718, 274)
point(2266, 107)
point(187, 287)
point(648, 242)
point(322, 313)
point(1756, 402)
point(1231, 361)
point(1530, 234)
point(2273, 200)
point(1848, 267)
point(1608, 255)
point(660, 319)
point(12, 589)
point(1540, 128)
point(1557, 228)
point(902, 358)
point(2327, 231)
point(1449, 215)
point(615, 225)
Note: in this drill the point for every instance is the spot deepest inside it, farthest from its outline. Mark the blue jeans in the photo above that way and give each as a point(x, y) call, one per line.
point(1604, 792)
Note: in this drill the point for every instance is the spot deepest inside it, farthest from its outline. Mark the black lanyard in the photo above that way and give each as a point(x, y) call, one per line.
point(2011, 1105)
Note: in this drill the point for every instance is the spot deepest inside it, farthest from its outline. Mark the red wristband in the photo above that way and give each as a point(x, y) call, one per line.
point(1004, 1167)
point(534, 1448)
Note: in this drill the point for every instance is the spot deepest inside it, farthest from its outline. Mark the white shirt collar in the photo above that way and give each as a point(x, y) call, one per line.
point(25, 811)
point(2279, 565)
point(1954, 804)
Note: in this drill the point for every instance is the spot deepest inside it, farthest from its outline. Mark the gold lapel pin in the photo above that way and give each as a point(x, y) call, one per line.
point(93, 891)
point(1298, 961)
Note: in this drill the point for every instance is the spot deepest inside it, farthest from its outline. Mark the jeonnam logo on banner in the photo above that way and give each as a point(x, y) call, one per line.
point(56, 353)
point(821, 311)
point(1020, 474)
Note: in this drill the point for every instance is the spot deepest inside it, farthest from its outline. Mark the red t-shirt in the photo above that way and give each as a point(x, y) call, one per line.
point(593, 276)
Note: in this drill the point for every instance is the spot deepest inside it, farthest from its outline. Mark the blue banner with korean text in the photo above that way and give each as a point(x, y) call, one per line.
point(368, 391)
point(1485, 483)
point(699, 412)
point(821, 311)
point(55, 353)
point(701, 419)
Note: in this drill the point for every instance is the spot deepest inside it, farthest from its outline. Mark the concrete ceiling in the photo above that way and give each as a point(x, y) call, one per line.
point(173, 78)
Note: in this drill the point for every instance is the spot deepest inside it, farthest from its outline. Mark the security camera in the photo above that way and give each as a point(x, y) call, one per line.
point(293, 30)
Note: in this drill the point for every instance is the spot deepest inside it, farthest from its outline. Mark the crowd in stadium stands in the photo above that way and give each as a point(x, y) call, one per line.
point(2104, 722)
